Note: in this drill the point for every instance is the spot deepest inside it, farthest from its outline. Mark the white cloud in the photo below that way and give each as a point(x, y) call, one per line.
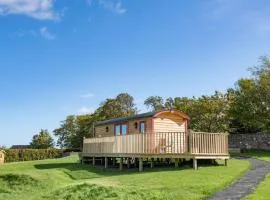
point(87, 95)
point(38, 9)
point(110, 5)
point(44, 32)
point(85, 110)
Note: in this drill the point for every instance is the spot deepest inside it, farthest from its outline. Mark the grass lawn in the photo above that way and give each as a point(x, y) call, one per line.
point(263, 190)
point(66, 179)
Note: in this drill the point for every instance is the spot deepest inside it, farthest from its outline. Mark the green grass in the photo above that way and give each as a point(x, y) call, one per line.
point(263, 190)
point(65, 179)
point(262, 155)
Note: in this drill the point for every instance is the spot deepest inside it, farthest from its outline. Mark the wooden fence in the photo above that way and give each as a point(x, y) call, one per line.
point(159, 143)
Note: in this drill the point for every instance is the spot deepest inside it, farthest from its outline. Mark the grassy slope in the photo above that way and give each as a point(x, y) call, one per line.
point(65, 179)
point(263, 190)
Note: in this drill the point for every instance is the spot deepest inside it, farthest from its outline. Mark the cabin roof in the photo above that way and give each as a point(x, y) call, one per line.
point(139, 116)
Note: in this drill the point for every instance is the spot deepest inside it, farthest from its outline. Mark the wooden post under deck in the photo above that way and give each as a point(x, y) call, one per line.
point(128, 163)
point(93, 161)
point(195, 166)
point(114, 161)
point(140, 164)
point(176, 162)
point(121, 164)
point(152, 163)
point(106, 162)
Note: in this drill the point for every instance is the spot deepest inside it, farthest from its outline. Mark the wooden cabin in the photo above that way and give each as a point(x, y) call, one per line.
point(154, 135)
point(2, 157)
point(146, 123)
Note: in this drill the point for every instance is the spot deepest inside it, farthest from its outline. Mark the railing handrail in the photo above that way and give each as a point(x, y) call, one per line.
point(161, 142)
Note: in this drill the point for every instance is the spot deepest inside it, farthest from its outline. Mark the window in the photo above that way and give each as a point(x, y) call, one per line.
point(120, 129)
point(117, 130)
point(107, 129)
point(124, 129)
point(142, 127)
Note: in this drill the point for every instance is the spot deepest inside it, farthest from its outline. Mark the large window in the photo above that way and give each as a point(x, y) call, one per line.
point(117, 130)
point(142, 127)
point(121, 129)
point(124, 129)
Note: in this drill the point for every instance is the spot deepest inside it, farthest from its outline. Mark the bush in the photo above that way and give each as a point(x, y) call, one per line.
point(15, 155)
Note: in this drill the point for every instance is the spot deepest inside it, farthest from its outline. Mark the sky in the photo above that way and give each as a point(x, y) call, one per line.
point(60, 57)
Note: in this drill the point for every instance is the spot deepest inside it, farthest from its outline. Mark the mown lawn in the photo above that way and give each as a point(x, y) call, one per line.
point(66, 179)
point(263, 190)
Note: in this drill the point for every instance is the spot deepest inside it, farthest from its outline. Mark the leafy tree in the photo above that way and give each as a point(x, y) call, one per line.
point(155, 103)
point(43, 140)
point(207, 113)
point(121, 106)
point(66, 131)
point(251, 100)
point(72, 130)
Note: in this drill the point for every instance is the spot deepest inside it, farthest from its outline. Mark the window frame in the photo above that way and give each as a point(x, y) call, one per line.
point(121, 129)
point(142, 122)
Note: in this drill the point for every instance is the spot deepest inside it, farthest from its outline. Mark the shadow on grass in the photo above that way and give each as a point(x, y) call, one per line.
point(85, 171)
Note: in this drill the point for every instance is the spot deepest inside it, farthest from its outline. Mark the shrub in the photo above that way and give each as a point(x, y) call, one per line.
point(15, 155)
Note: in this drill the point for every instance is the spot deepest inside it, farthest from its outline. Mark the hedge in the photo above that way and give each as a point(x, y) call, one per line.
point(15, 155)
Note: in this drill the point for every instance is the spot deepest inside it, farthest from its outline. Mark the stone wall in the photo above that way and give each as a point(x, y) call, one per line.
point(250, 141)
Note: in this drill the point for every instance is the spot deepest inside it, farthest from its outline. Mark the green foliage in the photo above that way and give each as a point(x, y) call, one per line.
point(121, 106)
point(155, 103)
point(43, 140)
point(207, 113)
point(250, 106)
point(72, 130)
point(15, 155)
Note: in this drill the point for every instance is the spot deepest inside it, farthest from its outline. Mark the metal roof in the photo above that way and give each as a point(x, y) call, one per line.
point(143, 115)
point(122, 119)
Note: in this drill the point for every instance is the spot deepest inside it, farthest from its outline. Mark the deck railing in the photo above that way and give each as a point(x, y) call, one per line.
point(159, 143)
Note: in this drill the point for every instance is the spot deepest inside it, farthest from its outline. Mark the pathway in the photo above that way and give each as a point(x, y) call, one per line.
point(247, 183)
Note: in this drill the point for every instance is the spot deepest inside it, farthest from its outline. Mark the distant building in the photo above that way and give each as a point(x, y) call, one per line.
point(20, 147)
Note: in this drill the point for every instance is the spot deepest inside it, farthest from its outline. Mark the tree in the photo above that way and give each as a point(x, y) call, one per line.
point(207, 113)
point(74, 128)
point(251, 100)
point(155, 103)
point(43, 140)
point(121, 106)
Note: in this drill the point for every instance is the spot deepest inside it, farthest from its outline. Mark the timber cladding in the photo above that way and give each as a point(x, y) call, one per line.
point(153, 122)
point(133, 128)
point(169, 122)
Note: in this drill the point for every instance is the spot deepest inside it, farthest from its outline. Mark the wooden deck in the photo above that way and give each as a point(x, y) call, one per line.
point(172, 145)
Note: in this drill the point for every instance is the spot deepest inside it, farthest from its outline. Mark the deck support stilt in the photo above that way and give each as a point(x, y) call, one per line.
point(140, 164)
point(195, 166)
point(226, 162)
point(152, 163)
point(106, 162)
point(113, 162)
point(93, 161)
point(176, 162)
point(121, 164)
point(128, 163)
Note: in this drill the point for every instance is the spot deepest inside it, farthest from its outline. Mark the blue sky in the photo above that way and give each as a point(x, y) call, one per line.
point(65, 57)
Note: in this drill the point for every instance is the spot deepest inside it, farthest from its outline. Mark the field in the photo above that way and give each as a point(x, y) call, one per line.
point(66, 179)
point(262, 192)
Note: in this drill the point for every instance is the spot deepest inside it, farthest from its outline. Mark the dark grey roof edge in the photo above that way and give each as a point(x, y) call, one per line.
point(122, 119)
point(138, 116)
